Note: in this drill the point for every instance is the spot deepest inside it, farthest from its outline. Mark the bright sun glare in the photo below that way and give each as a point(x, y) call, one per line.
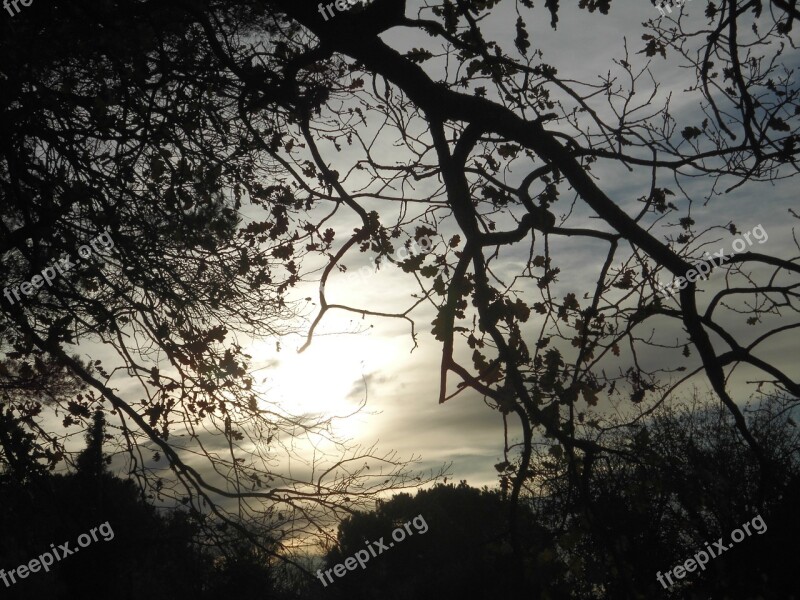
point(327, 379)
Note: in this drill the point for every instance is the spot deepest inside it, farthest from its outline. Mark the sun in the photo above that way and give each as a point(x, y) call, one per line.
point(326, 380)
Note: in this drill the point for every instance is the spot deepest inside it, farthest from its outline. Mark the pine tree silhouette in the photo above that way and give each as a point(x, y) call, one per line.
point(90, 462)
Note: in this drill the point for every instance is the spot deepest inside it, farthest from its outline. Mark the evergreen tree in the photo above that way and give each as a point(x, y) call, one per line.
point(91, 461)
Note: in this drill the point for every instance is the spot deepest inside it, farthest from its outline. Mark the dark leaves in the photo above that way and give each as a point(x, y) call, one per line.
point(284, 251)
point(653, 47)
point(626, 282)
point(779, 124)
point(418, 55)
point(552, 6)
point(502, 466)
point(592, 5)
point(508, 150)
point(521, 41)
point(429, 271)
point(79, 410)
point(689, 133)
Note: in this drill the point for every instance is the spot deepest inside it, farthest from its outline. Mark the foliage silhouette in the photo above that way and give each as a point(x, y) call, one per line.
point(165, 121)
point(692, 483)
point(153, 553)
point(464, 554)
point(143, 138)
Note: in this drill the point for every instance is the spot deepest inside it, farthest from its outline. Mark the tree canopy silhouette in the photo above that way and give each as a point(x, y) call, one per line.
point(124, 118)
point(151, 553)
point(162, 121)
point(465, 552)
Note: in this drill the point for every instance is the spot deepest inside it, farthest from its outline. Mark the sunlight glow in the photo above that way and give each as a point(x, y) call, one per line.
point(328, 379)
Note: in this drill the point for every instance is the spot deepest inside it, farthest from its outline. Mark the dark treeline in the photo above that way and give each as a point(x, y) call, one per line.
point(694, 482)
point(656, 513)
point(153, 554)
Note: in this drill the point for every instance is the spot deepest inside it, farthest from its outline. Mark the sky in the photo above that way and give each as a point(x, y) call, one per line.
point(403, 384)
point(374, 360)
